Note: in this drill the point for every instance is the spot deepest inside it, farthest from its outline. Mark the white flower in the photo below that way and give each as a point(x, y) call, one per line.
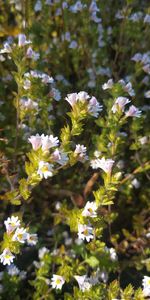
point(29, 52)
point(120, 104)
point(28, 104)
point(90, 210)
point(108, 84)
point(27, 84)
point(22, 41)
point(146, 68)
point(66, 36)
point(128, 88)
point(103, 276)
point(133, 112)
point(147, 94)
point(145, 58)
point(38, 6)
point(94, 107)
point(6, 48)
point(147, 19)
point(80, 152)
point(2, 58)
point(119, 15)
point(42, 252)
point(85, 232)
point(135, 183)
point(83, 96)
point(60, 157)
point(97, 153)
point(104, 164)
point(95, 18)
point(6, 257)
point(68, 241)
point(113, 254)
point(12, 223)
point(146, 286)
point(49, 141)
point(78, 6)
point(20, 235)
point(46, 141)
point(136, 16)
point(148, 235)
point(37, 264)
point(94, 279)
point(143, 140)
point(57, 281)
point(13, 270)
point(137, 57)
point(73, 45)
point(56, 94)
point(46, 78)
point(95, 163)
point(93, 7)
point(32, 239)
point(23, 274)
point(36, 141)
point(83, 282)
point(32, 54)
point(45, 169)
point(72, 98)
point(91, 83)
point(64, 4)
point(58, 205)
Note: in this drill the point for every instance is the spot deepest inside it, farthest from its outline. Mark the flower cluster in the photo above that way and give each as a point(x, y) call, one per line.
point(45, 78)
point(86, 283)
point(86, 232)
point(15, 235)
point(47, 143)
point(80, 152)
point(87, 45)
point(14, 271)
point(44, 141)
point(91, 104)
point(126, 87)
point(104, 164)
point(146, 286)
point(22, 41)
point(83, 282)
point(144, 60)
point(28, 105)
point(119, 106)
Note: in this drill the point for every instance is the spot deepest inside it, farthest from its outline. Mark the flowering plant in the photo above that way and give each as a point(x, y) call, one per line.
point(74, 150)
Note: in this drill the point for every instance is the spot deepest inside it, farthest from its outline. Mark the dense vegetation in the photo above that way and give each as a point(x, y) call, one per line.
point(74, 149)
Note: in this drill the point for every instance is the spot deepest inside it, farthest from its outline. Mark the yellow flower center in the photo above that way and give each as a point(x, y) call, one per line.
point(58, 281)
point(44, 169)
point(20, 235)
point(85, 232)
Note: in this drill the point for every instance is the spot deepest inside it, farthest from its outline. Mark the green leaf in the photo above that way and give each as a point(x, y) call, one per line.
point(92, 261)
point(113, 290)
point(128, 292)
